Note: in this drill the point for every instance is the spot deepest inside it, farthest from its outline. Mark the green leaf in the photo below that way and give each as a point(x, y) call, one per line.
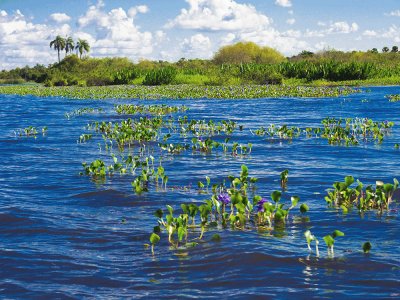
point(279, 216)
point(256, 199)
point(337, 233)
point(329, 240)
point(185, 208)
point(159, 213)
point(345, 210)
point(295, 200)
point(304, 208)
point(276, 196)
point(379, 183)
point(349, 180)
point(309, 236)
point(154, 238)
point(245, 170)
point(367, 246)
point(181, 233)
point(396, 183)
point(216, 238)
point(170, 209)
point(253, 179)
point(156, 229)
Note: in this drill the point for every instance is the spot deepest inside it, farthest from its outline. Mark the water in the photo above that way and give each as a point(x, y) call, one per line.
point(63, 236)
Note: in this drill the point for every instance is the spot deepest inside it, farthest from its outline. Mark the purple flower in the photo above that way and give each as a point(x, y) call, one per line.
point(224, 198)
point(260, 205)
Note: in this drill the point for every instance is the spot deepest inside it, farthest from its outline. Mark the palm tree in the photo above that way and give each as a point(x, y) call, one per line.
point(69, 45)
point(82, 46)
point(58, 44)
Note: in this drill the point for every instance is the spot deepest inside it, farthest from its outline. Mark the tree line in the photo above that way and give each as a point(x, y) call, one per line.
point(59, 44)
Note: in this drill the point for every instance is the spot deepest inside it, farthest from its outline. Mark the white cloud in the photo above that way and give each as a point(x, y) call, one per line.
point(393, 33)
point(238, 22)
point(133, 11)
point(283, 3)
point(342, 27)
point(116, 32)
point(370, 33)
point(228, 39)
point(219, 15)
point(109, 33)
point(395, 13)
point(291, 21)
point(60, 17)
point(197, 46)
point(22, 42)
point(286, 42)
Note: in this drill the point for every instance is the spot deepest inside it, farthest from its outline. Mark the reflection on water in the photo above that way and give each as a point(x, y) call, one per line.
point(64, 236)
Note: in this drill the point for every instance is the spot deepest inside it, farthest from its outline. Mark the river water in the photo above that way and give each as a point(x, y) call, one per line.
point(63, 236)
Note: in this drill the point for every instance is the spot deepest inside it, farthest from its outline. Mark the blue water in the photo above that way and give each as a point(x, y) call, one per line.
point(63, 236)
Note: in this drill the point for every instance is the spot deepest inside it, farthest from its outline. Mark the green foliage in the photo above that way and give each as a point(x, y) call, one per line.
point(125, 76)
point(367, 246)
point(247, 52)
point(364, 198)
point(160, 76)
point(242, 63)
point(329, 70)
point(179, 92)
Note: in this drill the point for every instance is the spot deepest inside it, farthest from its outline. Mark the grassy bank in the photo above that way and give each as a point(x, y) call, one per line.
point(235, 65)
point(178, 91)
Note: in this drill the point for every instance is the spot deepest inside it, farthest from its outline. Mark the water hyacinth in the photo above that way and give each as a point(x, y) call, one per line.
point(260, 205)
point(224, 198)
point(179, 91)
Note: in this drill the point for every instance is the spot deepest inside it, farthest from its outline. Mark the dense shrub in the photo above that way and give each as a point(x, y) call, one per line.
point(247, 53)
point(126, 76)
point(160, 76)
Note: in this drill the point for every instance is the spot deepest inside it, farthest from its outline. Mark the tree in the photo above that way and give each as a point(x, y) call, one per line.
point(247, 52)
point(58, 44)
point(69, 45)
point(395, 49)
point(374, 50)
point(82, 46)
point(385, 49)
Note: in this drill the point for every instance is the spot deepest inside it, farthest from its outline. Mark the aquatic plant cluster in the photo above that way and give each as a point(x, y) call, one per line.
point(83, 111)
point(142, 143)
point(235, 206)
point(157, 110)
point(394, 98)
point(349, 131)
point(179, 92)
point(345, 197)
point(30, 131)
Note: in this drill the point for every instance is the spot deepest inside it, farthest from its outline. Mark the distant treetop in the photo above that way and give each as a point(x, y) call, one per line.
point(247, 52)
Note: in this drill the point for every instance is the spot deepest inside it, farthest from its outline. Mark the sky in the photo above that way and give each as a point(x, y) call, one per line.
point(172, 29)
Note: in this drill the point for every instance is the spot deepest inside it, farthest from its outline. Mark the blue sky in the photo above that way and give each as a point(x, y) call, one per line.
point(171, 29)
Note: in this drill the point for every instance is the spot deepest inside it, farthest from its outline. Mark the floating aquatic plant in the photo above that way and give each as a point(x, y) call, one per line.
point(232, 205)
point(31, 131)
point(156, 110)
point(371, 197)
point(83, 111)
point(394, 98)
point(178, 91)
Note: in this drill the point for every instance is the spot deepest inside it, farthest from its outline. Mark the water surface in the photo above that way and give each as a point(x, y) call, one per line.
point(63, 236)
